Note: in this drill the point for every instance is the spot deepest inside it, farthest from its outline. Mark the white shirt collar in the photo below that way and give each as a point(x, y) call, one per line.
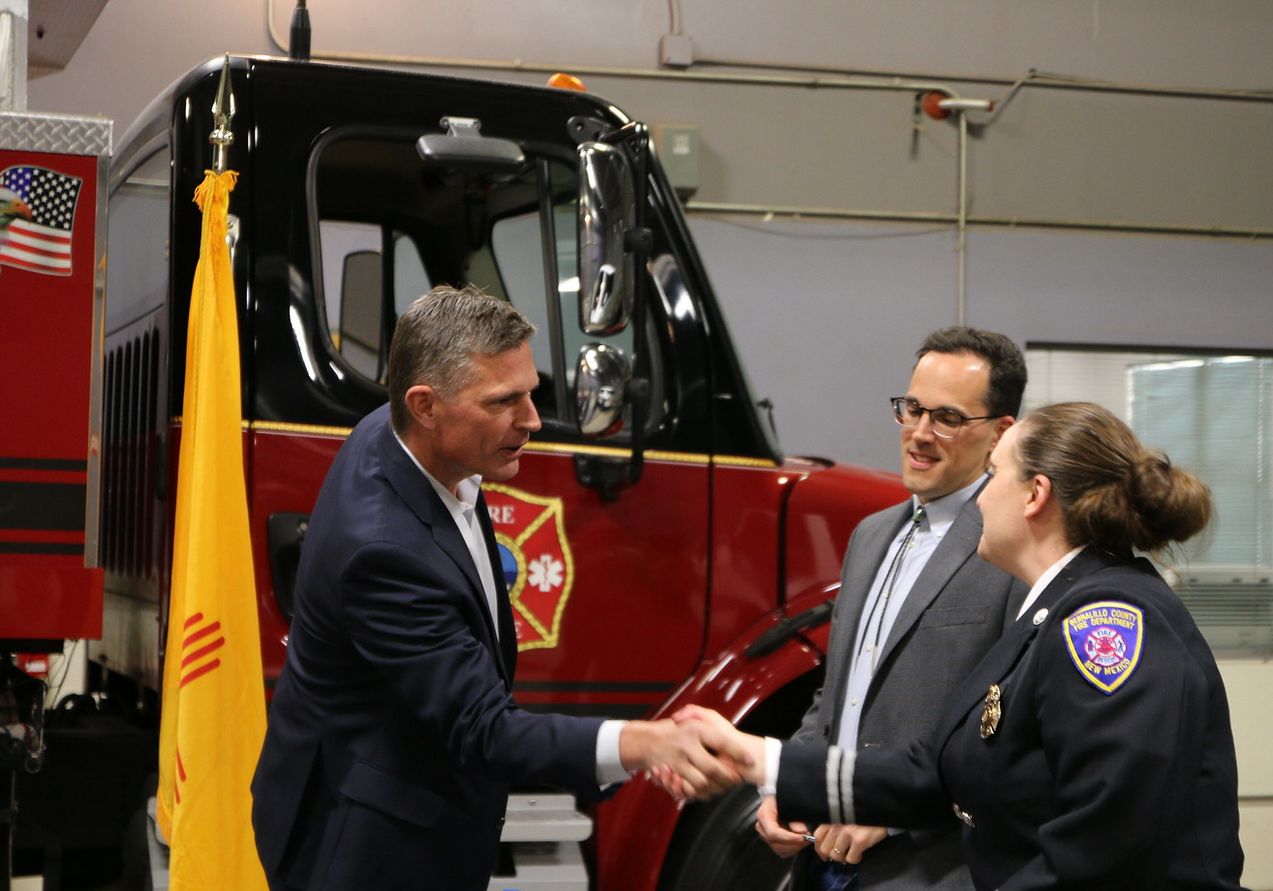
point(940, 513)
point(1046, 579)
point(466, 492)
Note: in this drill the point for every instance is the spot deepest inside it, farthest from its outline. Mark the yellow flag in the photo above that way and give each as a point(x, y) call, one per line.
point(213, 707)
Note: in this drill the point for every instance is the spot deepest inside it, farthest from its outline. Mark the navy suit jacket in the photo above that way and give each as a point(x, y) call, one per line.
point(393, 736)
point(1076, 788)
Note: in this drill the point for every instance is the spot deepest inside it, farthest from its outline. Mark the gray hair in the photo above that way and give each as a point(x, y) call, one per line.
point(436, 338)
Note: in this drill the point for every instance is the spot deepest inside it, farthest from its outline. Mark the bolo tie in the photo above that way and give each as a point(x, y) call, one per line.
point(880, 606)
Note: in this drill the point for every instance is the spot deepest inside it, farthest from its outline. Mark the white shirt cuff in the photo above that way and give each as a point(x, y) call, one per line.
point(773, 755)
point(609, 764)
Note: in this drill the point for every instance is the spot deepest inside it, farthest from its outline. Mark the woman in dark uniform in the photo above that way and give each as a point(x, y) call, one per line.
point(1091, 749)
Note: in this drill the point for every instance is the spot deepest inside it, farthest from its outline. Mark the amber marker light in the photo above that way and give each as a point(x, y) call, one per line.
point(566, 82)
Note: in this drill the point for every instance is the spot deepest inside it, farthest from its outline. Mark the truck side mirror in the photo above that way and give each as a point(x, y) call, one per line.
point(607, 213)
point(604, 388)
point(361, 309)
point(600, 389)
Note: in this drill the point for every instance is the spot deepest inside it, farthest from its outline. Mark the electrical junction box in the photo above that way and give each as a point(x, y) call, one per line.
point(677, 146)
point(676, 50)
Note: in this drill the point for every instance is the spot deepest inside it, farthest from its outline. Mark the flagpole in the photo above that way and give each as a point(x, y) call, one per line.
point(222, 113)
point(212, 713)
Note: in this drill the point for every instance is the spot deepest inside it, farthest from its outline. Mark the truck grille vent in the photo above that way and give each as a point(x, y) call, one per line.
point(131, 468)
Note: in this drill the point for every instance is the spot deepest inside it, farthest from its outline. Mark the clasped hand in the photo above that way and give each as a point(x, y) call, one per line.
point(717, 756)
point(700, 755)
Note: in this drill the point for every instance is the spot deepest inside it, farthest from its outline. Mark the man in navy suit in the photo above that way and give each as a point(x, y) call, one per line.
point(917, 609)
point(393, 736)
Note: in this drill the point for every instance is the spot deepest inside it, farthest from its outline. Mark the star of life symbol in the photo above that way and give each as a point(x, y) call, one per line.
point(546, 573)
point(539, 569)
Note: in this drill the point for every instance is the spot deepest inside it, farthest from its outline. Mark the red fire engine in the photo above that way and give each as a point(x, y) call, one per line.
point(659, 546)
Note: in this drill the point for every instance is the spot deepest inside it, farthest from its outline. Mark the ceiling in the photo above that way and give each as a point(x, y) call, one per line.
point(56, 28)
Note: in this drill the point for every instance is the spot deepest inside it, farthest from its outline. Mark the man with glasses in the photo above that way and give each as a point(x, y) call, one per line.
point(917, 609)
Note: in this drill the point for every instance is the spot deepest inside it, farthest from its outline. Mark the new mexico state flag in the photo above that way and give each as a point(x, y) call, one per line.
point(213, 707)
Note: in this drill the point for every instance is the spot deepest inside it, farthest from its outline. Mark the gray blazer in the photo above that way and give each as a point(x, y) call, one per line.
point(956, 610)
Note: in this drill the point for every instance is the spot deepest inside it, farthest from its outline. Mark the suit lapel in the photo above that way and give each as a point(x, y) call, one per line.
point(864, 563)
point(861, 566)
point(417, 493)
point(995, 668)
point(1003, 657)
point(504, 608)
point(957, 547)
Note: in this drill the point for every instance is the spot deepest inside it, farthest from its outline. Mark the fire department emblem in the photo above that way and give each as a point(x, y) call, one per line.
point(538, 567)
point(1104, 641)
point(1105, 647)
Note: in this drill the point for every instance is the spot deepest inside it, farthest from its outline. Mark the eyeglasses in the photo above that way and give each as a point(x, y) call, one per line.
point(945, 421)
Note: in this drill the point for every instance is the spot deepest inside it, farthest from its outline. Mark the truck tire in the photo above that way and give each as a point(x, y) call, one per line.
point(716, 848)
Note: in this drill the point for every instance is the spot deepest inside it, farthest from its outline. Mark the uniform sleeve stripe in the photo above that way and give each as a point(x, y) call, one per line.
point(848, 762)
point(833, 784)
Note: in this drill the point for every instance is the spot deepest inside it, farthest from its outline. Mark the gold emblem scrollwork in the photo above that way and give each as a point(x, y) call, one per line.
point(991, 713)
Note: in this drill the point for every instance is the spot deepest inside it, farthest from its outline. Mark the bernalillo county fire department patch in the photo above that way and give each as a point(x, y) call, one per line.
point(1105, 641)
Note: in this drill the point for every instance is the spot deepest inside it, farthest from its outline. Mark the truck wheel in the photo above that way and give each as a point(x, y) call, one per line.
point(716, 848)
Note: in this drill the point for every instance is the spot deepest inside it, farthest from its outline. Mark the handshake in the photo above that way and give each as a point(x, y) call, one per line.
point(696, 754)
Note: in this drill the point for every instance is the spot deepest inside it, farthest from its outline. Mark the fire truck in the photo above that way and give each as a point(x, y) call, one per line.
point(659, 547)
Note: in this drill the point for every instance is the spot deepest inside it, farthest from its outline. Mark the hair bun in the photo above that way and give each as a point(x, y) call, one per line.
point(1173, 504)
point(1149, 481)
point(1113, 491)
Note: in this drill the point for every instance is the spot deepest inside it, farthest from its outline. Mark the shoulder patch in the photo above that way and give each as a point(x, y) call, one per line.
point(1104, 641)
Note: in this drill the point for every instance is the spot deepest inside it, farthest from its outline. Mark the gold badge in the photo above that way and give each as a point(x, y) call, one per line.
point(990, 714)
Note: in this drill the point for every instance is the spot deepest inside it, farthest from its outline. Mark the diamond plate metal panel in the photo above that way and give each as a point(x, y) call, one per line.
point(55, 133)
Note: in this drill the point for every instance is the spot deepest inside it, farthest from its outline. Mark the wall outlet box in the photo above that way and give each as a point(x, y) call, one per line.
point(676, 50)
point(678, 149)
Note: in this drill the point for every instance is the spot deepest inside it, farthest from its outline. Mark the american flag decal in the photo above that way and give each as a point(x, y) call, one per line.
point(43, 243)
point(198, 647)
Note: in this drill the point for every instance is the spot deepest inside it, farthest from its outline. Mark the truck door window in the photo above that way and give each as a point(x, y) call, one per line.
point(356, 288)
point(137, 272)
point(409, 278)
point(517, 244)
point(389, 226)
